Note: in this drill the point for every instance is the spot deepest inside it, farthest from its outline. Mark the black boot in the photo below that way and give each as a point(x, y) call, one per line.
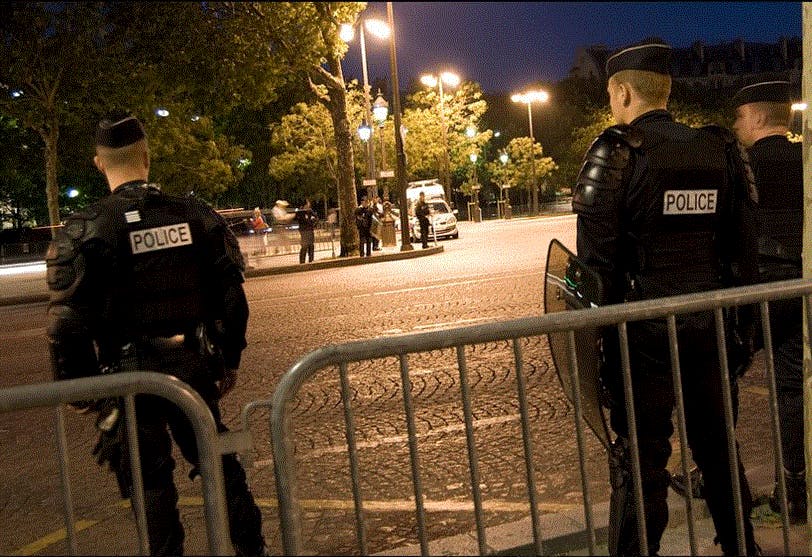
point(796, 497)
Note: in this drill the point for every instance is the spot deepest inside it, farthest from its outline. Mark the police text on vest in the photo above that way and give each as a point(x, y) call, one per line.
point(685, 202)
point(160, 238)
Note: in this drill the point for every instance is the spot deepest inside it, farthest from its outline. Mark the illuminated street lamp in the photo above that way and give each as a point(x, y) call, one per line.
point(452, 80)
point(380, 110)
point(530, 97)
point(347, 32)
point(364, 131)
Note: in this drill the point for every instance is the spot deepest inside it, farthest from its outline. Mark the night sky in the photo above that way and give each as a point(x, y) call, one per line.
point(508, 46)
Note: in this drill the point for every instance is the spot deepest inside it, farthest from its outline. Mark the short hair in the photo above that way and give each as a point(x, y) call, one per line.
point(654, 88)
point(775, 114)
point(123, 156)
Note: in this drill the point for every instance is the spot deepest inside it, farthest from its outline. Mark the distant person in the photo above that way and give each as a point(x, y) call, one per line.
point(307, 219)
point(363, 221)
point(258, 221)
point(377, 216)
point(145, 281)
point(280, 213)
point(422, 211)
point(635, 228)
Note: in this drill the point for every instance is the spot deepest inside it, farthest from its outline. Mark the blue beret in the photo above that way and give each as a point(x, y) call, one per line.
point(650, 57)
point(119, 133)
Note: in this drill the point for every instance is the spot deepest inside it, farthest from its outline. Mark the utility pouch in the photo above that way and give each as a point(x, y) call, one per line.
point(210, 351)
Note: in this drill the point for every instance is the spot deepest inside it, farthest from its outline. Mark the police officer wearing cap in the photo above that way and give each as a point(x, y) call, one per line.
point(763, 114)
point(663, 210)
point(141, 280)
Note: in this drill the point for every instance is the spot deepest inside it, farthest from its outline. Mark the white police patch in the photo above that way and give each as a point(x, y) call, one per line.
point(132, 216)
point(160, 238)
point(688, 202)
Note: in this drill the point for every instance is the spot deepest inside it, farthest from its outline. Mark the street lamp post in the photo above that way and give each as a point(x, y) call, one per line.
point(451, 79)
point(382, 31)
point(530, 97)
point(400, 155)
point(380, 110)
point(474, 211)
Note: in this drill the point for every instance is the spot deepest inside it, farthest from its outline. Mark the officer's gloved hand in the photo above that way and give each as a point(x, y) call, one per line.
point(110, 445)
point(227, 382)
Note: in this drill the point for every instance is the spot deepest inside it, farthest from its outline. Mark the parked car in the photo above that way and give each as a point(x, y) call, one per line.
point(442, 219)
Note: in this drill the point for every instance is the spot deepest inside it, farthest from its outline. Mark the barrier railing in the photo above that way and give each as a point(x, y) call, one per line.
point(513, 331)
point(211, 445)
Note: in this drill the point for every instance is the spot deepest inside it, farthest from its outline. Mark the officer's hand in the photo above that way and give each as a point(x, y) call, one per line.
point(227, 382)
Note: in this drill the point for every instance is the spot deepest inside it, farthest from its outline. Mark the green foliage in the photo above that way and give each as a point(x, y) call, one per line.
point(463, 108)
point(520, 168)
point(190, 156)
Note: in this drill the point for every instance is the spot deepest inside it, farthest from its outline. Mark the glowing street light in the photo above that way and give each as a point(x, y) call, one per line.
point(798, 106)
point(364, 131)
point(530, 97)
point(452, 80)
point(381, 30)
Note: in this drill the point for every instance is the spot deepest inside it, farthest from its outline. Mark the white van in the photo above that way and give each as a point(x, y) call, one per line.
point(443, 220)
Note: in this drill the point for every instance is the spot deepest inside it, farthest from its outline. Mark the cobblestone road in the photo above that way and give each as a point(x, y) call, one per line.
point(493, 272)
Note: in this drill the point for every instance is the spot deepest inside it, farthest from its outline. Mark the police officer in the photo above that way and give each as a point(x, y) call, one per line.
point(662, 210)
point(763, 114)
point(141, 280)
point(422, 211)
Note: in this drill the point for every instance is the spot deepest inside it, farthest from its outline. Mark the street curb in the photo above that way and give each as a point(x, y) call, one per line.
point(24, 299)
point(340, 262)
point(271, 270)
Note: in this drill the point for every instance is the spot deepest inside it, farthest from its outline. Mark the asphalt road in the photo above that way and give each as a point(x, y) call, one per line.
point(493, 272)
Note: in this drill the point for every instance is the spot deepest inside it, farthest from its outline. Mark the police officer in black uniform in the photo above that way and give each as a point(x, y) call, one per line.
point(422, 211)
point(662, 210)
point(141, 280)
point(763, 113)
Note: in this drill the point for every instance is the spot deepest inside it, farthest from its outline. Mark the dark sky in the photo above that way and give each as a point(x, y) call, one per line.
point(508, 46)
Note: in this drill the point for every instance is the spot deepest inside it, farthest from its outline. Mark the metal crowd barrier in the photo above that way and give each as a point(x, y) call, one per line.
point(340, 356)
point(211, 445)
point(279, 241)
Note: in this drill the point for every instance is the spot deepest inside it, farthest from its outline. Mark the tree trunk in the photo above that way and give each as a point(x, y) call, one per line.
point(336, 103)
point(50, 135)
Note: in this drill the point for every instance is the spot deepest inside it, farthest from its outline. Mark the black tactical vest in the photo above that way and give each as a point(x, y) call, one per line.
point(675, 202)
point(160, 250)
point(778, 167)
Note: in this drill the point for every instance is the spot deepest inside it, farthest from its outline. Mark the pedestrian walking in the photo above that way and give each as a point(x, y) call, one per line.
point(307, 219)
point(661, 209)
point(145, 281)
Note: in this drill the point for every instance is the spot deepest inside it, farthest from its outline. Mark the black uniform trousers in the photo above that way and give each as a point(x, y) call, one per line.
point(787, 335)
point(365, 241)
point(424, 231)
point(654, 403)
point(307, 240)
point(156, 419)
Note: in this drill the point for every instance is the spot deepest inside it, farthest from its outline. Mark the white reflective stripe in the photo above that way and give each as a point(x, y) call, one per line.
point(160, 238)
point(687, 202)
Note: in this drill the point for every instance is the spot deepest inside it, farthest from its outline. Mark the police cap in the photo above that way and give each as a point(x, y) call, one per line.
point(119, 133)
point(651, 56)
point(769, 92)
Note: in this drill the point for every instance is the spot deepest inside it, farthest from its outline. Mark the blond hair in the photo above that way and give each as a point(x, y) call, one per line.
point(113, 158)
point(653, 88)
point(775, 114)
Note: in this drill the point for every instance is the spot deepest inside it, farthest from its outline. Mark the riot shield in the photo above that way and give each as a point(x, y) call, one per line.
point(569, 285)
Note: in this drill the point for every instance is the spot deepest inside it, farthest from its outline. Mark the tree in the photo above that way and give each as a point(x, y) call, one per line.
point(520, 168)
point(53, 55)
point(464, 108)
point(68, 63)
point(304, 39)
